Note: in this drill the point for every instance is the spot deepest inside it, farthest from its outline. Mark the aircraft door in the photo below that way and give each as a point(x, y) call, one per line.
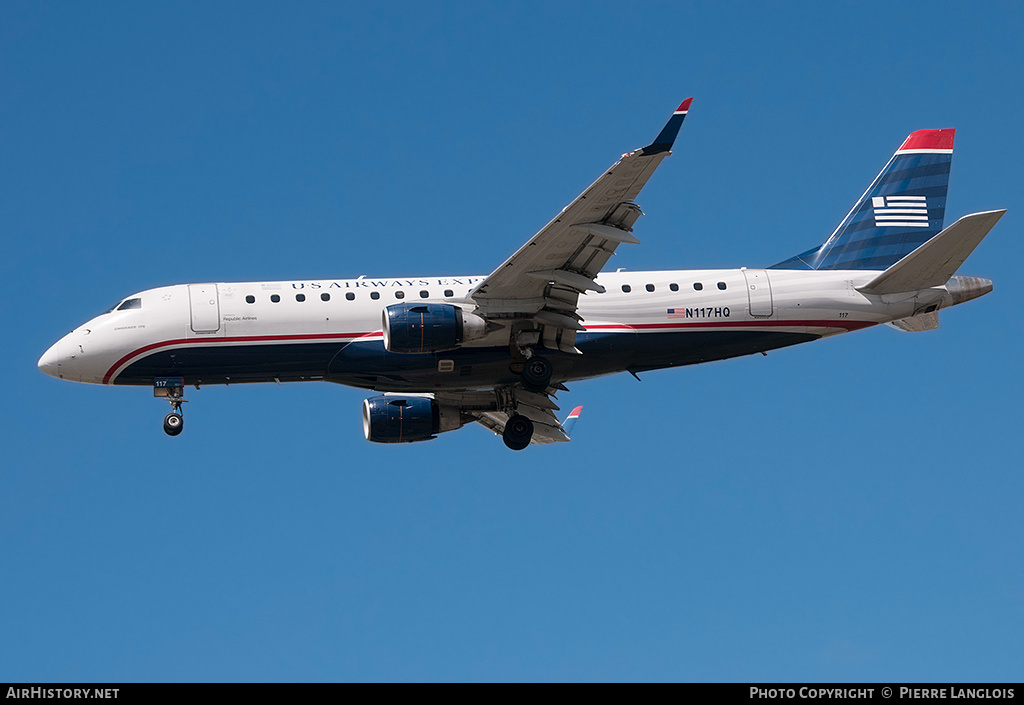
point(205, 307)
point(759, 292)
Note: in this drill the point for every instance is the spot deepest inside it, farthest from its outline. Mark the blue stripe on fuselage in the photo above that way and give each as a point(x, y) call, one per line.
point(366, 364)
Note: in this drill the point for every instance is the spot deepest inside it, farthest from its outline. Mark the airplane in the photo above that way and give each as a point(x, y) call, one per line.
point(444, 351)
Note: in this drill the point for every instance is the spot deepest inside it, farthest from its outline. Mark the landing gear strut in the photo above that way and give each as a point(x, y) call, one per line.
point(534, 370)
point(518, 432)
point(173, 390)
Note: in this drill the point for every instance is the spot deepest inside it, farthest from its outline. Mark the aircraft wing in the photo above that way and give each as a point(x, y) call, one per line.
point(540, 408)
point(545, 429)
point(542, 281)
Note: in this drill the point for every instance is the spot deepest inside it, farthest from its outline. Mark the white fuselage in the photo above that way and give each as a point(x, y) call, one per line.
point(301, 330)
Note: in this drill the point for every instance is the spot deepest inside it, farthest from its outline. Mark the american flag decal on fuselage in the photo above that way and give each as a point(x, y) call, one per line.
point(901, 211)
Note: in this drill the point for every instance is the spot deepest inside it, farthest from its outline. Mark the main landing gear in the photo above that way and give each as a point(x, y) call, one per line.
point(518, 432)
point(534, 371)
point(173, 390)
point(537, 374)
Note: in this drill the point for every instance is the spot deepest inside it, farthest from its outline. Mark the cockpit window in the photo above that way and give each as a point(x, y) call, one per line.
point(129, 304)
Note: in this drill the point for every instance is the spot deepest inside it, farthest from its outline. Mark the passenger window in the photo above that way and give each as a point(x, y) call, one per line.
point(129, 304)
point(300, 297)
point(350, 296)
point(424, 294)
point(275, 298)
point(449, 292)
point(374, 295)
point(721, 285)
point(650, 287)
point(673, 287)
point(627, 288)
point(697, 286)
point(399, 294)
point(250, 299)
point(325, 297)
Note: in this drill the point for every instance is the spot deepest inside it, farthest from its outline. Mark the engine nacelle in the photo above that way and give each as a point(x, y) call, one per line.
point(424, 328)
point(405, 420)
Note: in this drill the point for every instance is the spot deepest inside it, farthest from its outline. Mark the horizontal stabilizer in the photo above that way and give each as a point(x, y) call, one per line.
point(934, 262)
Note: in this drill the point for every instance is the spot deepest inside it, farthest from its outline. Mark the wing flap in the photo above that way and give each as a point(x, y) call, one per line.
point(608, 232)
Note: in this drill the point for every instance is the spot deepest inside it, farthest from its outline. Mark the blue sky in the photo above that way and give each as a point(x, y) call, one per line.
point(845, 510)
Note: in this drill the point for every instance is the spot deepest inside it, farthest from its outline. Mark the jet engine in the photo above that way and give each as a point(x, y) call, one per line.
point(390, 419)
point(424, 328)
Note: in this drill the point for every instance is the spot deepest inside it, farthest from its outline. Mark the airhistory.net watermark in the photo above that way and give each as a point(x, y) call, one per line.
point(63, 693)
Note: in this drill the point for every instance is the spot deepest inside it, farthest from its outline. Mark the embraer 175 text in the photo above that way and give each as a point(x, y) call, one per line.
point(496, 349)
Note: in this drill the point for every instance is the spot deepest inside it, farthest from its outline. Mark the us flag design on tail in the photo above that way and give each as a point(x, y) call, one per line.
point(901, 211)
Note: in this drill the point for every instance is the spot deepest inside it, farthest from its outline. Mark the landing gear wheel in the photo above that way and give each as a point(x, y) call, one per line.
point(518, 432)
point(173, 423)
point(537, 374)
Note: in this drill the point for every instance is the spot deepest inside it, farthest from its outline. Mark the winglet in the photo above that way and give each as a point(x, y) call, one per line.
point(570, 420)
point(663, 142)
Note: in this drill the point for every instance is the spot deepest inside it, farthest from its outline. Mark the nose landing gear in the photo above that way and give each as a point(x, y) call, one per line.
point(173, 390)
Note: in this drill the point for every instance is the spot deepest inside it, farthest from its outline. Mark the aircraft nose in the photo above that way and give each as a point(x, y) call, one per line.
point(50, 362)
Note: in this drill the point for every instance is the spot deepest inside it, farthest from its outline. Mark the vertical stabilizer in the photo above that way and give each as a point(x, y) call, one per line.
point(902, 208)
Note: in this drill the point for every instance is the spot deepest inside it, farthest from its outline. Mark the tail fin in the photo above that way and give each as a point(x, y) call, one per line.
point(903, 208)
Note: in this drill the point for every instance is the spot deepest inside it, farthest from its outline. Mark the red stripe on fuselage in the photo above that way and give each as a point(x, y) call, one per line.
point(847, 325)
